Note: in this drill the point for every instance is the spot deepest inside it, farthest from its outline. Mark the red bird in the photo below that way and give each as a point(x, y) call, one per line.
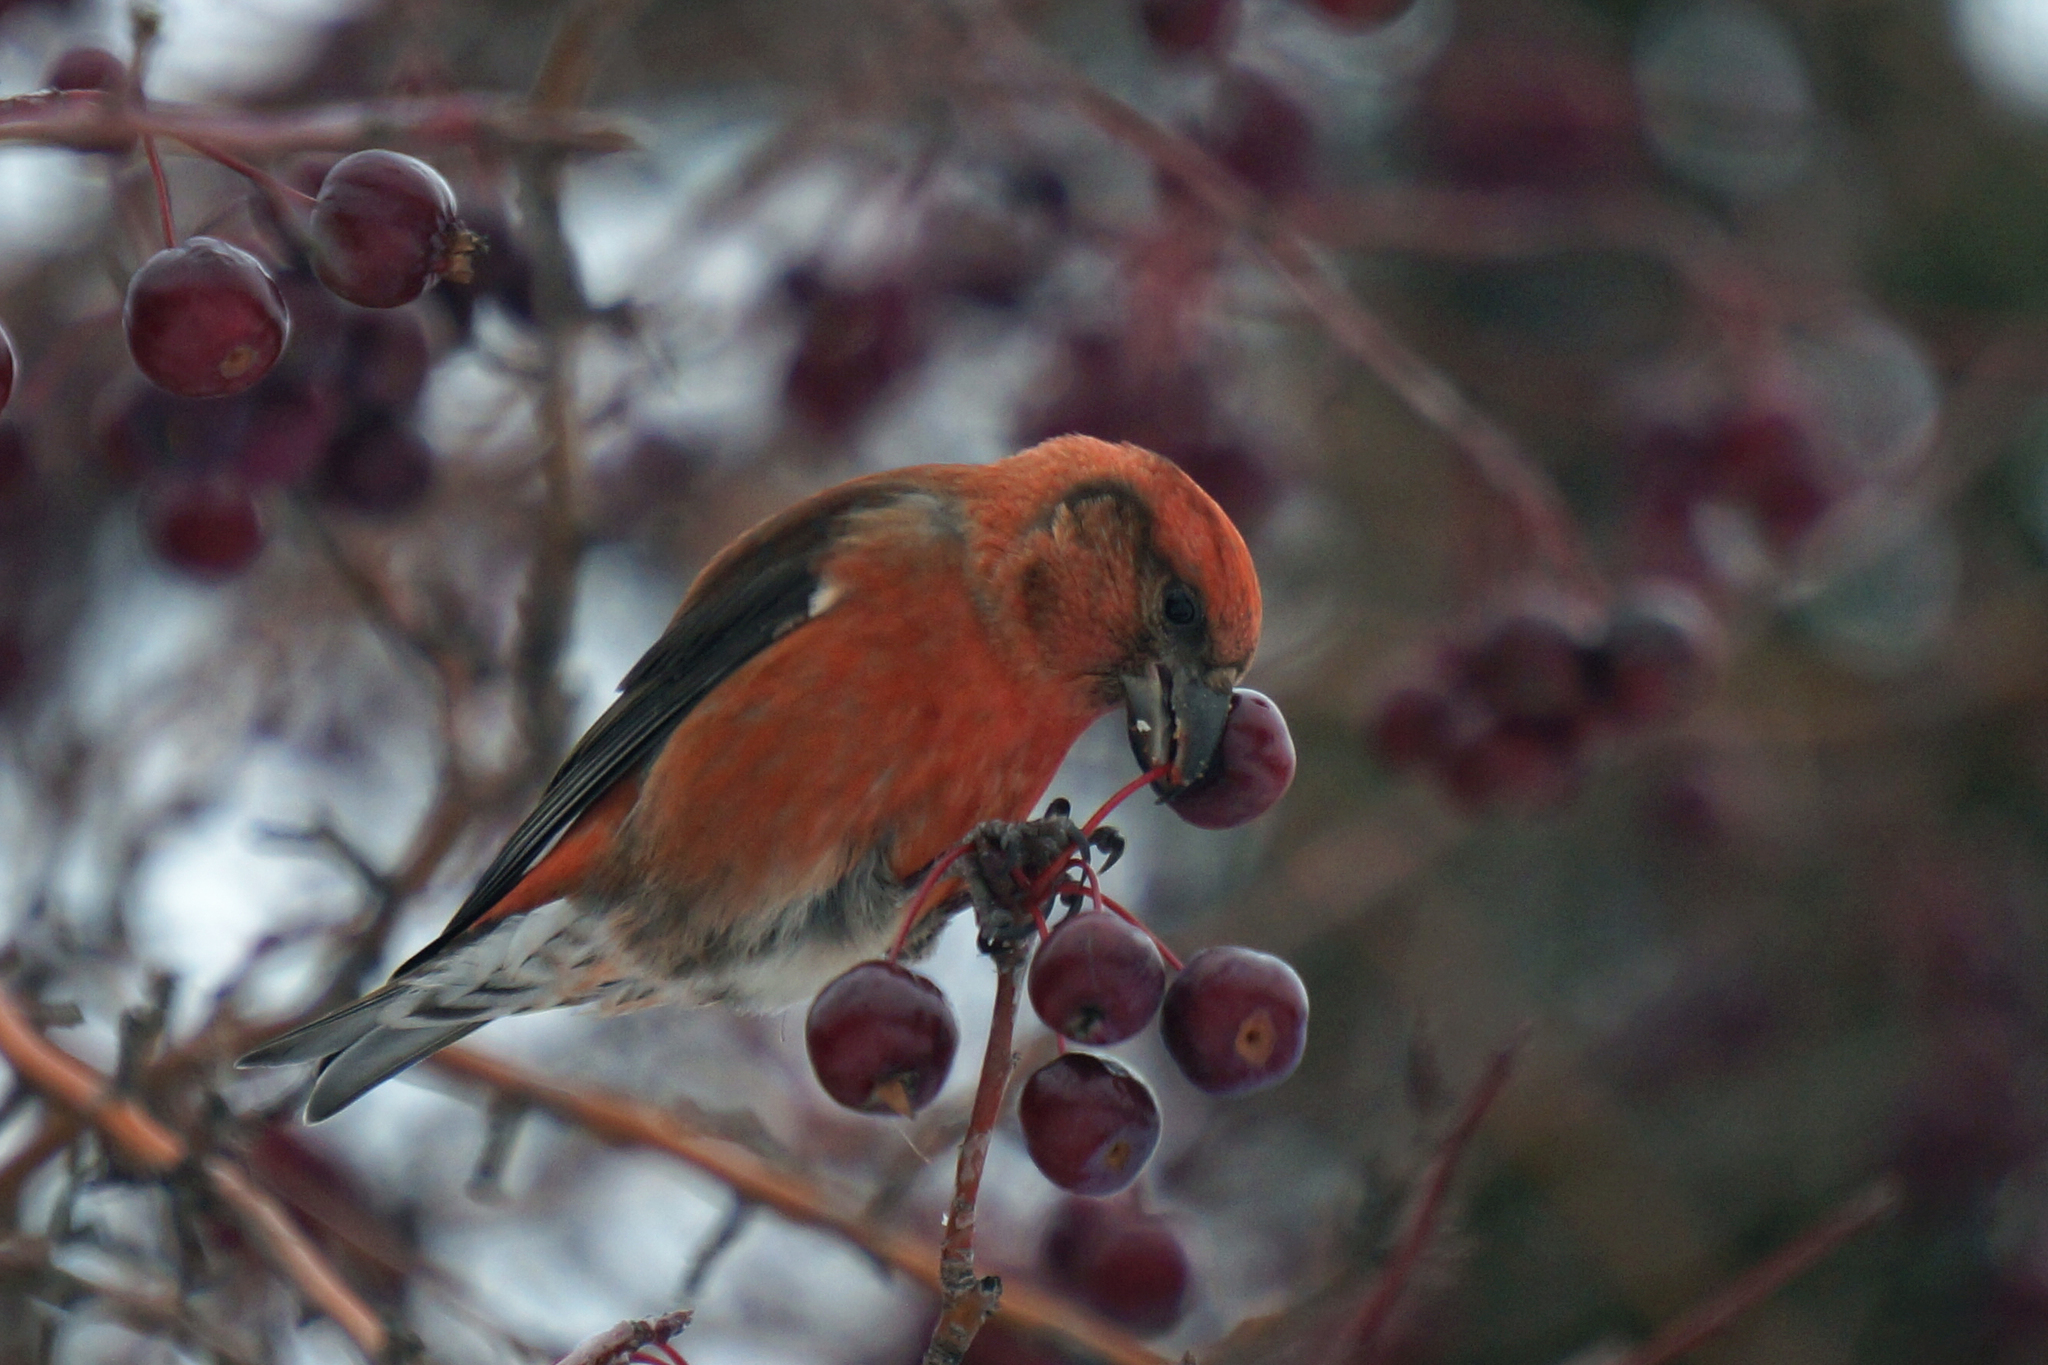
point(845, 693)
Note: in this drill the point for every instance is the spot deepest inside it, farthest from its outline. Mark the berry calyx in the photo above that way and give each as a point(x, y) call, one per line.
point(1235, 1020)
point(384, 228)
point(1096, 979)
point(881, 1039)
point(204, 320)
point(1121, 1262)
point(1089, 1125)
point(1253, 767)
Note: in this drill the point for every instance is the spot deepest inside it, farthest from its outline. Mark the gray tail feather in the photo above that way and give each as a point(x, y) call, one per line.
point(376, 1056)
point(357, 1048)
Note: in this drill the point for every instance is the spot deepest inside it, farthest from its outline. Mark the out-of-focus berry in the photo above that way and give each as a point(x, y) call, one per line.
point(1261, 134)
point(1360, 13)
point(1129, 1267)
point(385, 360)
point(384, 228)
point(287, 431)
point(382, 467)
point(1659, 656)
point(1527, 765)
point(207, 528)
point(881, 1039)
point(1529, 666)
point(1413, 728)
point(88, 68)
point(1088, 1124)
point(857, 342)
point(1096, 979)
point(1235, 1020)
point(1181, 26)
point(1522, 106)
point(204, 320)
point(1252, 770)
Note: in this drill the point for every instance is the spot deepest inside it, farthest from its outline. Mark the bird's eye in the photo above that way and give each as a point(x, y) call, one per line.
point(1180, 607)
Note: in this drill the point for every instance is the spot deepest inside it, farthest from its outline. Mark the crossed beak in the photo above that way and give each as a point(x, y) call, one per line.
point(1175, 721)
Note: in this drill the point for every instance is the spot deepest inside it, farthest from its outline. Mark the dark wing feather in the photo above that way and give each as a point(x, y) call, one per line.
point(748, 598)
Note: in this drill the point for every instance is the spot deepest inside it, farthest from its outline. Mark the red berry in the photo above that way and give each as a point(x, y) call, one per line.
point(1188, 25)
point(1413, 728)
point(381, 467)
point(6, 367)
point(208, 529)
point(1089, 1125)
point(1660, 653)
point(384, 228)
point(1529, 106)
point(1359, 13)
point(1530, 667)
point(881, 1039)
point(1253, 767)
point(385, 361)
point(1264, 137)
point(1096, 979)
point(856, 343)
point(205, 319)
point(288, 429)
point(1235, 1020)
point(88, 68)
point(1530, 765)
point(1125, 1265)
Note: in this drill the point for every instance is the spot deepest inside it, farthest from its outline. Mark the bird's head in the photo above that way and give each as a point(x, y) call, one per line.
point(1126, 581)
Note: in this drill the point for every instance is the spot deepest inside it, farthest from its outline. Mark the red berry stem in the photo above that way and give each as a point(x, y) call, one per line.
point(916, 909)
point(1145, 929)
point(1357, 1344)
point(966, 1300)
point(1859, 1213)
point(163, 192)
point(1123, 794)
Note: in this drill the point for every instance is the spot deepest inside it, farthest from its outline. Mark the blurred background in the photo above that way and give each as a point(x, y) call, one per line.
point(1636, 411)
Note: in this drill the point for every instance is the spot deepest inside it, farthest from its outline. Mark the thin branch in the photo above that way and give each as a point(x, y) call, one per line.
point(629, 1122)
point(143, 1141)
point(87, 120)
point(966, 1300)
point(615, 1344)
point(1358, 1342)
point(27, 1259)
point(1858, 1214)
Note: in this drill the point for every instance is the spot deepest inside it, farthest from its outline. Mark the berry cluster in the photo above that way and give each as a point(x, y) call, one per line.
point(1508, 716)
point(882, 1038)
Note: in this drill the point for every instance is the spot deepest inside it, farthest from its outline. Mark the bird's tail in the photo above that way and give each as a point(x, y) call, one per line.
point(363, 1043)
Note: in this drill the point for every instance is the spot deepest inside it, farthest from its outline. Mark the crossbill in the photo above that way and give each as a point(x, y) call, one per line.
point(846, 692)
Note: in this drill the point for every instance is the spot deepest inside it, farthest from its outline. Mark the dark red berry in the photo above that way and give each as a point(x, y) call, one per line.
point(1262, 135)
point(1252, 769)
point(6, 367)
point(381, 467)
point(1527, 106)
point(1767, 461)
point(205, 319)
point(1088, 1124)
point(208, 529)
point(289, 426)
point(1360, 13)
point(1122, 1263)
point(1526, 765)
point(856, 343)
point(385, 360)
point(881, 1039)
point(1659, 656)
point(384, 228)
point(1530, 667)
point(1188, 25)
point(1413, 728)
point(1096, 979)
point(1235, 1020)
point(88, 68)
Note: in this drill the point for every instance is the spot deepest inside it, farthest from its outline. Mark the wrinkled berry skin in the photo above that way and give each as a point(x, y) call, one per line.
point(1235, 1020)
point(384, 228)
point(204, 320)
point(881, 1039)
point(1089, 1125)
point(1254, 766)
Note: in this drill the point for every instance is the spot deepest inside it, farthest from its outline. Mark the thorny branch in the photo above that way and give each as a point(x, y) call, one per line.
point(142, 1141)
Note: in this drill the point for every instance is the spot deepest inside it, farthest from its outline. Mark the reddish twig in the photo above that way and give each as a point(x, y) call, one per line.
point(1858, 1214)
point(966, 1301)
point(616, 1344)
point(629, 1122)
point(1357, 1342)
point(919, 903)
point(143, 1141)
